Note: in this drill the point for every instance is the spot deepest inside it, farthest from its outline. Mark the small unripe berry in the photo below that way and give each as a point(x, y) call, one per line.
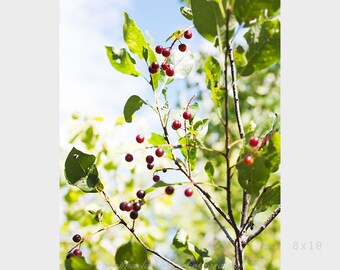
point(76, 238)
point(182, 47)
point(166, 52)
point(156, 178)
point(169, 190)
point(140, 138)
point(248, 160)
point(159, 152)
point(159, 49)
point(188, 192)
point(77, 252)
point(129, 157)
point(176, 124)
point(140, 194)
point(187, 115)
point(254, 141)
point(188, 34)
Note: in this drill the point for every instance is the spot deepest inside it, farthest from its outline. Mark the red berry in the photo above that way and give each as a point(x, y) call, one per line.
point(188, 34)
point(188, 192)
point(254, 141)
point(165, 66)
point(248, 160)
point(166, 52)
point(77, 252)
point(170, 72)
point(122, 206)
point(128, 207)
point(159, 152)
point(151, 70)
point(159, 49)
point(136, 206)
point(149, 159)
point(155, 65)
point(156, 178)
point(187, 115)
point(169, 190)
point(182, 47)
point(150, 166)
point(176, 124)
point(140, 138)
point(140, 194)
point(134, 215)
point(76, 238)
point(129, 157)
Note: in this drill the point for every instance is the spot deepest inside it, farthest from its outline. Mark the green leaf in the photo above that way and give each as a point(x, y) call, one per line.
point(78, 263)
point(189, 152)
point(264, 47)
point(174, 35)
point(187, 13)
point(272, 156)
point(226, 264)
point(208, 18)
point(180, 240)
point(253, 178)
point(157, 139)
point(133, 36)
point(183, 63)
point(132, 254)
point(212, 71)
point(160, 184)
point(269, 197)
point(248, 10)
point(122, 61)
point(133, 104)
point(210, 170)
point(97, 215)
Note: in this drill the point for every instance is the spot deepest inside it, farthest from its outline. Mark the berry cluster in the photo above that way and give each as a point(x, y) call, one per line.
point(166, 51)
point(76, 252)
point(133, 206)
point(248, 160)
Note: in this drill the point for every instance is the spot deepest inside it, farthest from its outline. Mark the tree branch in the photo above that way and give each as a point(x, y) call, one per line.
point(264, 225)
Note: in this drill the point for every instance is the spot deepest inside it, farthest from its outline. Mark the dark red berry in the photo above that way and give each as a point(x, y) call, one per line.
point(166, 52)
point(152, 71)
point(129, 157)
point(169, 190)
point(149, 159)
point(156, 178)
point(188, 34)
point(122, 206)
point(69, 255)
point(248, 160)
point(155, 65)
point(182, 47)
point(254, 141)
point(128, 207)
point(188, 192)
point(159, 49)
point(170, 72)
point(187, 115)
point(134, 215)
point(176, 124)
point(150, 166)
point(165, 66)
point(136, 206)
point(140, 194)
point(76, 238)
point(77, 252)
point(159, 152)
point(140, 138)
point(164, 170)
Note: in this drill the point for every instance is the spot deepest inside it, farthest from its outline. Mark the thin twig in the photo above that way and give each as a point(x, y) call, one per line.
point(123, 222)
point(218, 222)
point(263, 226)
